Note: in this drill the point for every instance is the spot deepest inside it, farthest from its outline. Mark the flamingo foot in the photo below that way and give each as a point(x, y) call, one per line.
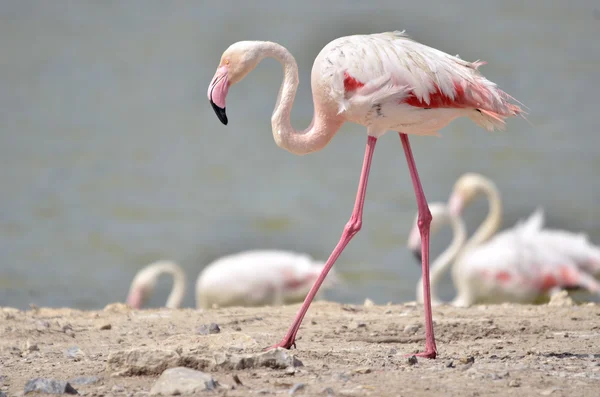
point(286, 344)
point(432, 354)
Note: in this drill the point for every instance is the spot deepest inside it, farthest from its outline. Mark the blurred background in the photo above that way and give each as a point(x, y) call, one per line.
point(112, 156)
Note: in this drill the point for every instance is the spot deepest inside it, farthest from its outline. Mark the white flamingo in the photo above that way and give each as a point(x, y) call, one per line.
point(383, 81)
point(521, 264)
point(250, 278)
point(575, 246)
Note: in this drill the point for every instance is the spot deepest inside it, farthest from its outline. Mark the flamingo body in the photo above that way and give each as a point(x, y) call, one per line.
point(388, 82)
point(258, 278)
point(521, 264)
point(250, 278)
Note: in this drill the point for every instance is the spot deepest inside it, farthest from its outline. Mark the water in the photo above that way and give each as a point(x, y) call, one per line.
point(112, 157)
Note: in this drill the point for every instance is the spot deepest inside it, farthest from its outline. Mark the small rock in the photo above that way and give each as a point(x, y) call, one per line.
point(31, 347)
point(361, 325)
point(548, 392)
point(141, 361)
point(237, 380)
point(368, 303)
point(449, 364)
point(467, 360)
point(514, 383)
point(561, 298)
point(362, 370)
point(290, 371)
point(277, 359)
point(75, 353)
point(412, 360)
point(105, 327)
point(411, 328)
point(328, 391)
point(117, 389)
point(49, 386)
point(181, 380)
point(296, 387)
point(2, 394)
point(84, 380)
point(207, 329)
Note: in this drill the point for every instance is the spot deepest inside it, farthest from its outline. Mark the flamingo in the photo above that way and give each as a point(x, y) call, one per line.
point(384, 81)
point(250, 278)
point(575, 246)
point(513, 266)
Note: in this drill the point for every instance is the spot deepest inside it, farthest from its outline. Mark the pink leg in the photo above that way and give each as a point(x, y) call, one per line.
point(423, 221)
point(351, 228)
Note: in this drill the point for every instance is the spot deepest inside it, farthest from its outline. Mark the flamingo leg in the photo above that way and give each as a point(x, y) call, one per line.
point(424, 219)
point(350, 230)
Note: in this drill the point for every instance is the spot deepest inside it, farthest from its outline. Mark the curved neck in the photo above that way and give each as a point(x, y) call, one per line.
point(442, 263)
point(324, 123)
point(494, 217)
point(177, 294)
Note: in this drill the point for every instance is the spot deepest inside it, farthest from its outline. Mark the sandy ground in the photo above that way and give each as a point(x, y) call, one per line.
point(547, 350)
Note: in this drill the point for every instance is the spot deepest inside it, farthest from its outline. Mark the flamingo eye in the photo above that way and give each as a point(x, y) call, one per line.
point(227, 62)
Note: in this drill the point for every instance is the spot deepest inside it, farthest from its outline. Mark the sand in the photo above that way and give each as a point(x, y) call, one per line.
point(345, 350)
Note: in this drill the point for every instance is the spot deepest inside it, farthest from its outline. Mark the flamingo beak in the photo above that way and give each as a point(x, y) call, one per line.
point(417, 254)
point(217, 92)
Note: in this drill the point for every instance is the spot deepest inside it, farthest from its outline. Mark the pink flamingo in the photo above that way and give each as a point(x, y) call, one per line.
point(517, 265)
point(383, 81)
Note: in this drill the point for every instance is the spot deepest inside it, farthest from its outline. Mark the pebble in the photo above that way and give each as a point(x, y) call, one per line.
point(514, 383)
point(295, 388)
point(467, 360)
point(2, 394)
point(31, 346)
point(412, 360)
point(75, 353)
point(207, 329)
point(277, 359)
point(105, 327)
point(141, 361)
point(411, 328)
point(49, 386)
point(362, 370)
point(84, 380)
point(449, 364)
point(182, 380)
point(328, 391)
point(368, 303)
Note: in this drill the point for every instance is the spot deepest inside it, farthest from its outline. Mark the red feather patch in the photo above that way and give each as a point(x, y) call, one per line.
point(438, 99)
point(350, 83)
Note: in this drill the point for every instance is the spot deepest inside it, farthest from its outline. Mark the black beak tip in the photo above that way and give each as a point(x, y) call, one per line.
point(221, 114)
point(417, 255)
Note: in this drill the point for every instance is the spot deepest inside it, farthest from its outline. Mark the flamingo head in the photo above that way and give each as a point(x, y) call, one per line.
point(236, 62)
point(466, 188)
point(439, 216)
point(142, 287)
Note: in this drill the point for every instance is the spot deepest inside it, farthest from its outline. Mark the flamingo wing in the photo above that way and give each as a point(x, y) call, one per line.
point(391, 66)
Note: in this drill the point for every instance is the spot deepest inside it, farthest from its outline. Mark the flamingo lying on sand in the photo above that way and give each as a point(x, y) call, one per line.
point(384, 82)
point(575, 246)
point(514, 266)
point(250, 278)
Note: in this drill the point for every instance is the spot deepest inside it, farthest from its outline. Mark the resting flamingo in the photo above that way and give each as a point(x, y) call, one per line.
point(383, 81)
point(575, 246)
point(514, 266)
point(249, 278)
